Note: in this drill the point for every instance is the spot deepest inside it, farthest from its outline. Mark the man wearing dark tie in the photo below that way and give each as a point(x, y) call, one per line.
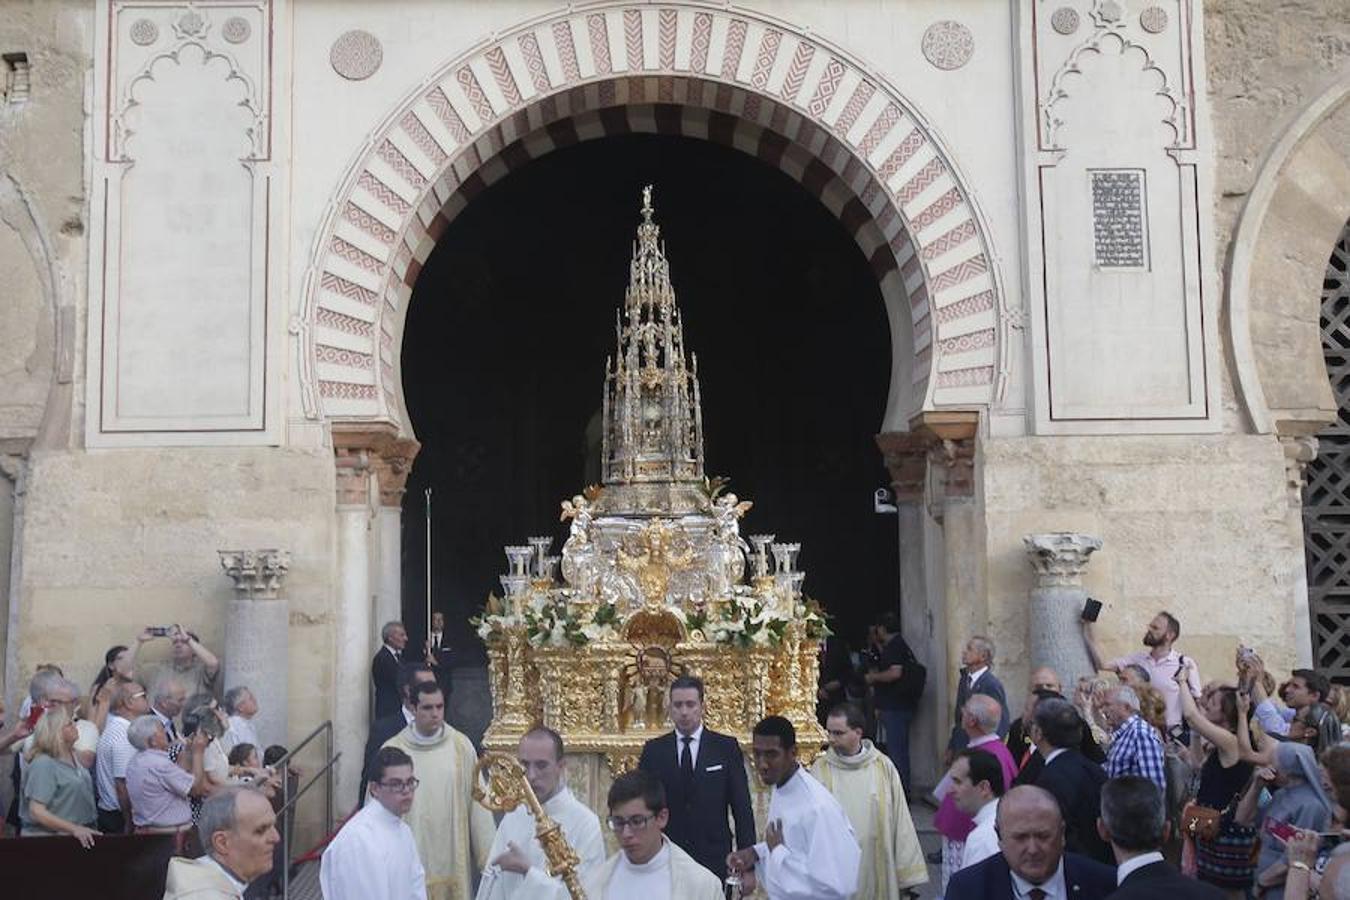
point(1134, 821)
point(977, 677)
point(384, 669)
point(704, 775)
point(438, 652)
point(1031, 863)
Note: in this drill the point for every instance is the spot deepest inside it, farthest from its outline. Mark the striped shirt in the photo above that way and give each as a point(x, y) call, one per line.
point(1136, 749)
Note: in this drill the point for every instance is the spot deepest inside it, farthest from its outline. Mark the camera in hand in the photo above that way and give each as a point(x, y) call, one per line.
point(161, 630)
point(1091, 610)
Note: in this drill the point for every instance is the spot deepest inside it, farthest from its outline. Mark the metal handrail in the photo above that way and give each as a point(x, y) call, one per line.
point(288, 801)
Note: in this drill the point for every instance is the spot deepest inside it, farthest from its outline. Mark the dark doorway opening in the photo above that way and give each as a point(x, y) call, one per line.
point(513, 316)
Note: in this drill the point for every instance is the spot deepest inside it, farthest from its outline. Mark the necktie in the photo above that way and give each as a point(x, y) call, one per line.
point(1035, 894)
point(686, 759)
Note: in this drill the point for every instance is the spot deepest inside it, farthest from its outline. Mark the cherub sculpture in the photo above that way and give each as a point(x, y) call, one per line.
point(578, 553)
point(727, 550)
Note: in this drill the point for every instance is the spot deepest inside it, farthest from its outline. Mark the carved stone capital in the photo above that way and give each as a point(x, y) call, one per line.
point(1299, 450)
point(906, 457)
point(362, 450)
point(935, 458)
point(257, 574)
point(392, 466)
point(1060, 557)
point(353, 476)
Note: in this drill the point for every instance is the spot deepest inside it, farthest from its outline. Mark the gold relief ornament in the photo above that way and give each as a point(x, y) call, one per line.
point(500, 785)
point(652, 558)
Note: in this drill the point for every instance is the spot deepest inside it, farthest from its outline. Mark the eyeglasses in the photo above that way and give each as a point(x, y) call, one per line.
point(637, 823)
point(400, 787)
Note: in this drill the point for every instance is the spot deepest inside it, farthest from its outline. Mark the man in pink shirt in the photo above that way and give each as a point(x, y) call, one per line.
point(1160, 661)
point(979, 720)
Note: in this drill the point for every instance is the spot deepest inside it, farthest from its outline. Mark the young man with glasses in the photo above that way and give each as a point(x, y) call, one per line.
point(648, 865)
point(374, 856)
point(453, 832)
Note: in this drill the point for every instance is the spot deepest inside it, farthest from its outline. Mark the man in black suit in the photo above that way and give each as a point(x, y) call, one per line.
point(384, 669)
point(438, 652)
point(1029, 760)
point(1134, 821)
point(704, 775)
point(977, 658)
point(1031, 862)
point(1073, 779)
point(381, 730)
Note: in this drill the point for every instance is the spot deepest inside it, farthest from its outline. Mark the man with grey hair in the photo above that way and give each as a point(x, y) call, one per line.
point(241, 706)
point(167, 697)
point(157, 787)
point(238, 832)
point(384, 669)
point(977, 659)
point(1136, 746)
point(1133, 822)
point(980, 718)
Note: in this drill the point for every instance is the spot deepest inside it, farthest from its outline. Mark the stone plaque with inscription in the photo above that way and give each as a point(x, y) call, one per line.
point(1118, 225)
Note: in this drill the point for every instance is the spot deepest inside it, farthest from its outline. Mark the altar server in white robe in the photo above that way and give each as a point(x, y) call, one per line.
point(649, 865)
point(521, 868)
point(809, 851)
point(374, 856)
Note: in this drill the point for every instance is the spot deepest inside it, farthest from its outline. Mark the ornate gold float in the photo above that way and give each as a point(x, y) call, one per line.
point(653, 573)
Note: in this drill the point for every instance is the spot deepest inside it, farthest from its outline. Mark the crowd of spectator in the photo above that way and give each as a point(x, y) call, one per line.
point(1250, 773)
point(144, 752)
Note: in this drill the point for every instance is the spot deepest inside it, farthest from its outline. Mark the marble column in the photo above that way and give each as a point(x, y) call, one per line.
point(932, 468)
point(392, 465)
point(351, 677)
point(256, 640)
point(1055, 615)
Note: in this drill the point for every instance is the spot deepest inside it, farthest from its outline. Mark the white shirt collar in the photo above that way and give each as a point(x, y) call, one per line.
point(1053, 753)
point(392, 651)
point(975, 675)
point(693, 743)
point(238, 885)
point(982, 740)
point(986, 813)
point(1053, 886)
point(407, 716)
point(1129, 866)
point(658, 862)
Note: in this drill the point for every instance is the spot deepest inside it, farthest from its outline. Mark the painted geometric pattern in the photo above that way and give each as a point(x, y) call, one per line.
point(362, 244)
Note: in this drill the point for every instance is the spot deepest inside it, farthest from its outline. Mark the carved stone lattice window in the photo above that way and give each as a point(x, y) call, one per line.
point(1326, 497)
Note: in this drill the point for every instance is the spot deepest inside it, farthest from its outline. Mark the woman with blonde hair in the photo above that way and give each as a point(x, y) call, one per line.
point(1153, 709)
point(57, 793)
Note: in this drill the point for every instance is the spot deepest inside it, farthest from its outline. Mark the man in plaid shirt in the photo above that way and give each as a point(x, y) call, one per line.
point(1136, 747)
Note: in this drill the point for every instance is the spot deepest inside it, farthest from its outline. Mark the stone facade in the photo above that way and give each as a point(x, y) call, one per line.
point(139, 435)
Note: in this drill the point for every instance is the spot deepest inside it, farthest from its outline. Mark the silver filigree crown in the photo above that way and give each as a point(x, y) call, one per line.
point(652, 447)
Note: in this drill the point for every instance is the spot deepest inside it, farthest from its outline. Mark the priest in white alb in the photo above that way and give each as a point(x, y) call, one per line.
point(867, 786)
point(519, 868)
point(649, 865)
point(374, 855)
point(453, 832)
point(809, 851)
